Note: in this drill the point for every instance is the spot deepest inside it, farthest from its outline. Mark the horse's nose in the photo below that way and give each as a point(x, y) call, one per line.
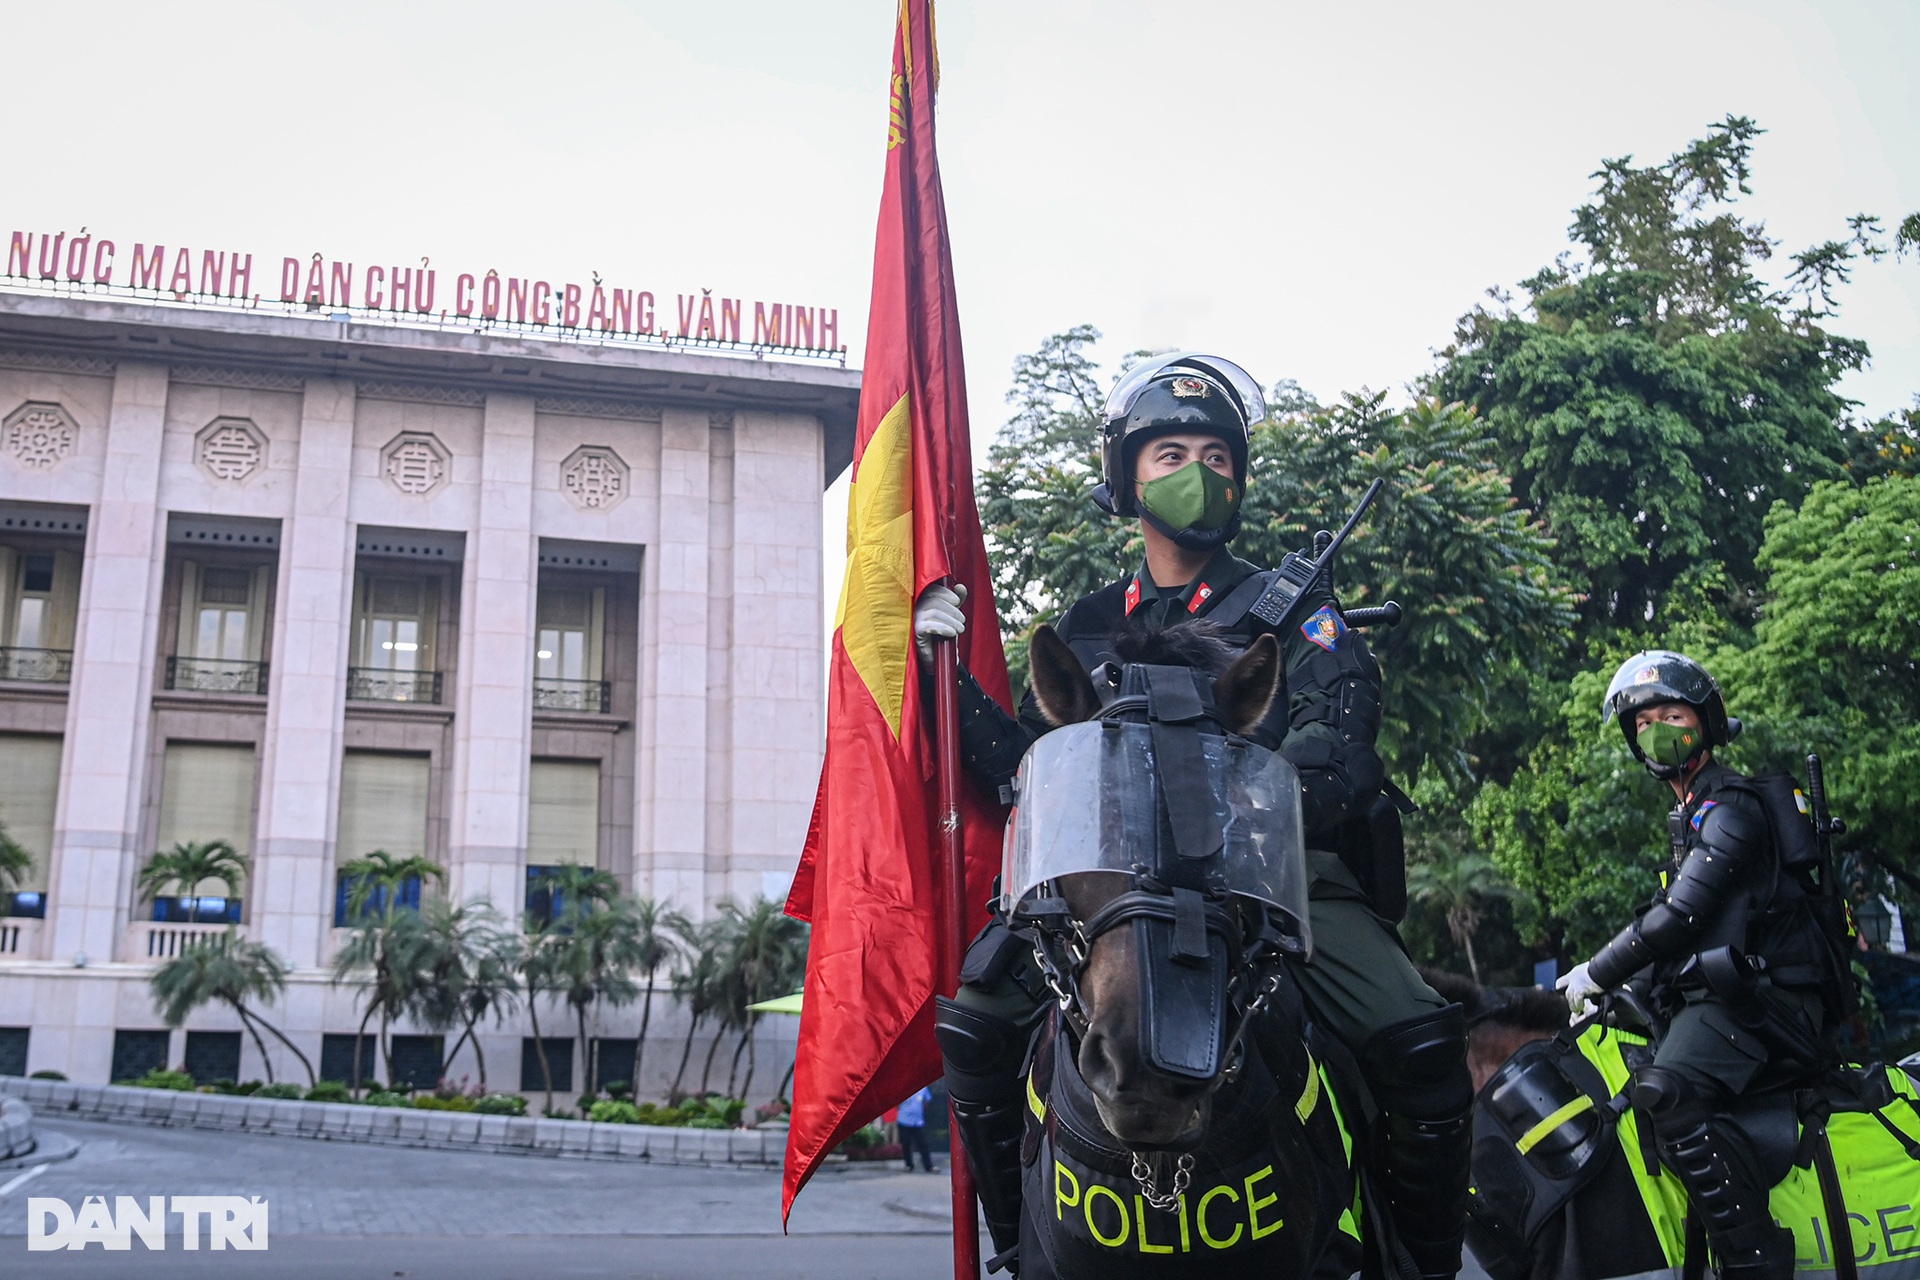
point(1106, 1067)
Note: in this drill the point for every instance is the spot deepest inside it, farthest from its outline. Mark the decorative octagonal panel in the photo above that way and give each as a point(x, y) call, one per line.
point(230, 449)
point(415, 463)
point(594, 478)
point(39, 436)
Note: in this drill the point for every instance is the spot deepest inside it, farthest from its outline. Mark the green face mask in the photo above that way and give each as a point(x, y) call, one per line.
point(1670, 744)
point(1194, 497)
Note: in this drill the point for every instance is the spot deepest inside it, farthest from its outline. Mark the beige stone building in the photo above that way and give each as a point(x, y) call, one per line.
point(318, 587)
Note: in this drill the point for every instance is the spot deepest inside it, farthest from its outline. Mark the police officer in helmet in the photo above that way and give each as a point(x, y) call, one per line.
point(1174, 455)
point(1728, 895)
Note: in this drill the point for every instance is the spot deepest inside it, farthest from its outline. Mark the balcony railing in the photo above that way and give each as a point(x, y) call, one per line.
point(42, 666)
point(370, 684)
point(216, 675)
point(148, 941)
point(594, 696)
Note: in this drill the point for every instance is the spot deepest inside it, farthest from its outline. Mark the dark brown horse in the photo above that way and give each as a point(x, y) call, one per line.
point(1180, 1125)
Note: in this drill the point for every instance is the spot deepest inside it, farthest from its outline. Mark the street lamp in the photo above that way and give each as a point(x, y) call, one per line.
point(1874, 922)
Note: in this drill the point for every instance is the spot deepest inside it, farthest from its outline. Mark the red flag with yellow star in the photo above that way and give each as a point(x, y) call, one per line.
point(868, 879)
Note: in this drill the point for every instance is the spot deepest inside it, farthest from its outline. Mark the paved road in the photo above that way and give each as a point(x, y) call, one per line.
point(346, 1211)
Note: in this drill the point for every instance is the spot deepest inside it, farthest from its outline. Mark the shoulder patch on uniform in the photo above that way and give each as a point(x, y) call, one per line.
point(1700, 814)
point(1133, 595)
point(1325, 627)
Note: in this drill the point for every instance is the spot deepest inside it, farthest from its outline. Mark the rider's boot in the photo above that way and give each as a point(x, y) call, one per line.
point(1711, 1160)
point(1417, 1071)
point(984, 1035)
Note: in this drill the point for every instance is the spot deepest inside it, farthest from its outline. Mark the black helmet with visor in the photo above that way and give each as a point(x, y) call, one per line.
point(1182, 392)
point(1656, 676)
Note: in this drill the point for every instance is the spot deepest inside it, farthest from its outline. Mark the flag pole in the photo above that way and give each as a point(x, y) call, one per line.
point(953, 929)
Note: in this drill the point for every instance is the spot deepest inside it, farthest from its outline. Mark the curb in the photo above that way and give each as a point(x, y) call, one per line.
point(402, 1127)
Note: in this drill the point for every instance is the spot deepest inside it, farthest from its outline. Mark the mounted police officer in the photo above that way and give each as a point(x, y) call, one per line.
point(1174, 454)
point(1735, 951)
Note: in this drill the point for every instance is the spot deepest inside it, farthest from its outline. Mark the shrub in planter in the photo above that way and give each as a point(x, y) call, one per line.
point(387, 1098)
point(220, 1085)
point(279, 1089)
point(433, 1102)
point(648, 1113)
point(501, 1104)
point(330, 1091)
point(47, 1073)
point(611, 1111)
point(247, 1088)
point(585, 1102)
point(160, 1078)
point(619, 1090)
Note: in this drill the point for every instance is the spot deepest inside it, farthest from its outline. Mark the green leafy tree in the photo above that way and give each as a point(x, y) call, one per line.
point(1461, 886)
point(188, 865)
point(1654, 396)
point(387, 954)
point(225, 968)
point(1833, 664)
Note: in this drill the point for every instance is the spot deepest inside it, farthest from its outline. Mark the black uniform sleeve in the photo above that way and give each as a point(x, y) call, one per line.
point(991, 741)
point(1733, 837)
point(1329, 725)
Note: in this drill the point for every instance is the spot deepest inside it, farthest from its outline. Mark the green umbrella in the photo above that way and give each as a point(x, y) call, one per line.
point(779, 1004)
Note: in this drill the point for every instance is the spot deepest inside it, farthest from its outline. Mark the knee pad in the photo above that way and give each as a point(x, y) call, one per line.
point(982, 1050)
point(1418, 1068)
point(1672, 1101)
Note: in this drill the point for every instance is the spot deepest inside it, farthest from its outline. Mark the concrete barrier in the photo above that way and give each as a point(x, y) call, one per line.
point(390, 1126)
point(16, 1128)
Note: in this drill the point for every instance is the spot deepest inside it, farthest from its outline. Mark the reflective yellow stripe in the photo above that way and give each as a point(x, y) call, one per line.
point(1534, 1136)
point(1034, 1104)
point(1309, 1096)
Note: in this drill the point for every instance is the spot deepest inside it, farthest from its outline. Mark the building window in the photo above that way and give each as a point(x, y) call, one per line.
point(29, 788)
point(222, 627)
point(336, 1057)
point(568, 652)
point(41, 602)
point(417, 1062)
point(396, 619)
point(137, 1052)
point(563, 828)
point(383, 806)
point(212, 1055)
point(559, 1062)
point(13, 1051)
point(206, 793)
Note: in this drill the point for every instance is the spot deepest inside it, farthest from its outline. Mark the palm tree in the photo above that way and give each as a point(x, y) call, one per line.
point(15, 864)
point(224, 968)
point(767, 958)
point(388, 953)
point(187, 866)
point(536, 961)
point(658, 930)
point(696, 983)
point(594, 963)
point(468, 963)
point(1460, 886)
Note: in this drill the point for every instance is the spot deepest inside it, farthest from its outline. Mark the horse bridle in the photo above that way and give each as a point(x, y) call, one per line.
point(1063, 946)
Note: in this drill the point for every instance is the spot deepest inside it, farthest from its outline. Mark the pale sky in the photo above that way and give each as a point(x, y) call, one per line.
point(1314, 190)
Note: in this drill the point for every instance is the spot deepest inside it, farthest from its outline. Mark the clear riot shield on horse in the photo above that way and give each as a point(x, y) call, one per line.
point(1178, 1122)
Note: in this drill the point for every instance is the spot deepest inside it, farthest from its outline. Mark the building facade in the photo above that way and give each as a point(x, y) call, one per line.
point(316, 588)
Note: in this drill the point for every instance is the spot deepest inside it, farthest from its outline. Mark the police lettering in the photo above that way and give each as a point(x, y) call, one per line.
point(1222, 1217)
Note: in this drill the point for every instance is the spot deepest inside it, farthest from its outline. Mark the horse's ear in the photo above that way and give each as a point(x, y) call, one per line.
point(1061, 684)
point(1245, 690)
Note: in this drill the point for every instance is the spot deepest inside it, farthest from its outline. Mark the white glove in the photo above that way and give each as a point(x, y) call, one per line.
point(1581, 991)
point(938, 617)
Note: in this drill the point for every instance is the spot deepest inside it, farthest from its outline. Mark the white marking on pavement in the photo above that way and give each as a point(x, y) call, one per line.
point(21, 1181)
